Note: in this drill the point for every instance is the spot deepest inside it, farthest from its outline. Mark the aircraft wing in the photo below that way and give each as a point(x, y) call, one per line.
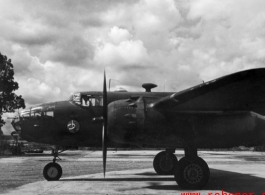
point(239, 91)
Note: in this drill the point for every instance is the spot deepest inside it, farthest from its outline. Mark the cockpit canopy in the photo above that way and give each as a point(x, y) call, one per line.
point(86, 100)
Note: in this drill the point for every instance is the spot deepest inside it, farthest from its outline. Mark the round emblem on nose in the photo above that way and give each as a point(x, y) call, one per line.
point(73, 126)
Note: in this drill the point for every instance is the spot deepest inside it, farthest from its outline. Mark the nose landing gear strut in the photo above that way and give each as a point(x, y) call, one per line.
point(53, 171)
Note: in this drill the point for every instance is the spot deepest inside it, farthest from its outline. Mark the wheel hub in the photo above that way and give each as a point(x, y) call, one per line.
point(52, 172)
point(193, 173)
point(166, 163)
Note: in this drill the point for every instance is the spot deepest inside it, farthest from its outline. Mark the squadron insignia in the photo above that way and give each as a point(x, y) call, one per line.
point(73, 126)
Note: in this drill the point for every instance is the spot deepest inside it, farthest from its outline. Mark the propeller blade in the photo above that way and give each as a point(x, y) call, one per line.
point(105, 103)
point(105, 124)
point(104, 150)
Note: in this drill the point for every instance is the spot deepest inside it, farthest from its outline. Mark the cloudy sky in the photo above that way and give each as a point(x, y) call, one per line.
point(60, 47)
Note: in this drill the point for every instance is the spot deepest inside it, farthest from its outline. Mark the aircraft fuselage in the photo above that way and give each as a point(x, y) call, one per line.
point(222, 113)
point(70, 122)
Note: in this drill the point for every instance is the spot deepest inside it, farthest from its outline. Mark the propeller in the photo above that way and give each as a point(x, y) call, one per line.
point(105, 124)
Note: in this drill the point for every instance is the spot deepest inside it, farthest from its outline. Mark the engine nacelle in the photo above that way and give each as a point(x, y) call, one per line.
point(132, 121)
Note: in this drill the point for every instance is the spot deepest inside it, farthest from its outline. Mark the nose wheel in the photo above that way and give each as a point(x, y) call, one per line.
point(53, 171)
point(164, 163)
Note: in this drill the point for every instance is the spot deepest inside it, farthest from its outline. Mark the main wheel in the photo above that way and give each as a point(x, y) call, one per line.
point(164, 163)
point(52, 171)
point(192, 174)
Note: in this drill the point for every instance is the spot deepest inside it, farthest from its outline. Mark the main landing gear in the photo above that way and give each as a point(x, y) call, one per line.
point(53, 171)
point(191, 171)
point(164, 162)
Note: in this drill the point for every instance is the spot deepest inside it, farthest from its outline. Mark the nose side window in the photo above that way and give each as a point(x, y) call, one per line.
point(36, 112)
point(24, 114)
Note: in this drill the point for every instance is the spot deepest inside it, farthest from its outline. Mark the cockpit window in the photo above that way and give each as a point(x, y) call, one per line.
point(76, 98)
point(87, 100)
point(49, 114)
point(99, 101)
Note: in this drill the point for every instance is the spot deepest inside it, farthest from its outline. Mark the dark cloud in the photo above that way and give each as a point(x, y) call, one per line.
point(73, 52)
point(38, 38)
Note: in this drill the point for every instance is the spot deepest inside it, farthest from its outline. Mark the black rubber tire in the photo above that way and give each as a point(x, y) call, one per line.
point(52, 172)
point(192, 174)
point(164, 158)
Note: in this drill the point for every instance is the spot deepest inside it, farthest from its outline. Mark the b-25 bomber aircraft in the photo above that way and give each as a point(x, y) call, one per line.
point(222, 113)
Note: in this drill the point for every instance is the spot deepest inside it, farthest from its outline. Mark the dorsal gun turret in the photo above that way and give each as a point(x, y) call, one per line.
point(148, 86)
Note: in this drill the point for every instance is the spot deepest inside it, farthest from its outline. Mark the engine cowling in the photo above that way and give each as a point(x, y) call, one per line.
point(133, 121)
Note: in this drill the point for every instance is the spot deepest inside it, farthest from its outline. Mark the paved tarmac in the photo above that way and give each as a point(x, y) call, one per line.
point(232, 172)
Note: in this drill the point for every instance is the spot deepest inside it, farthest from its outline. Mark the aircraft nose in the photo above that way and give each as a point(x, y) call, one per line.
point(17, 121)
